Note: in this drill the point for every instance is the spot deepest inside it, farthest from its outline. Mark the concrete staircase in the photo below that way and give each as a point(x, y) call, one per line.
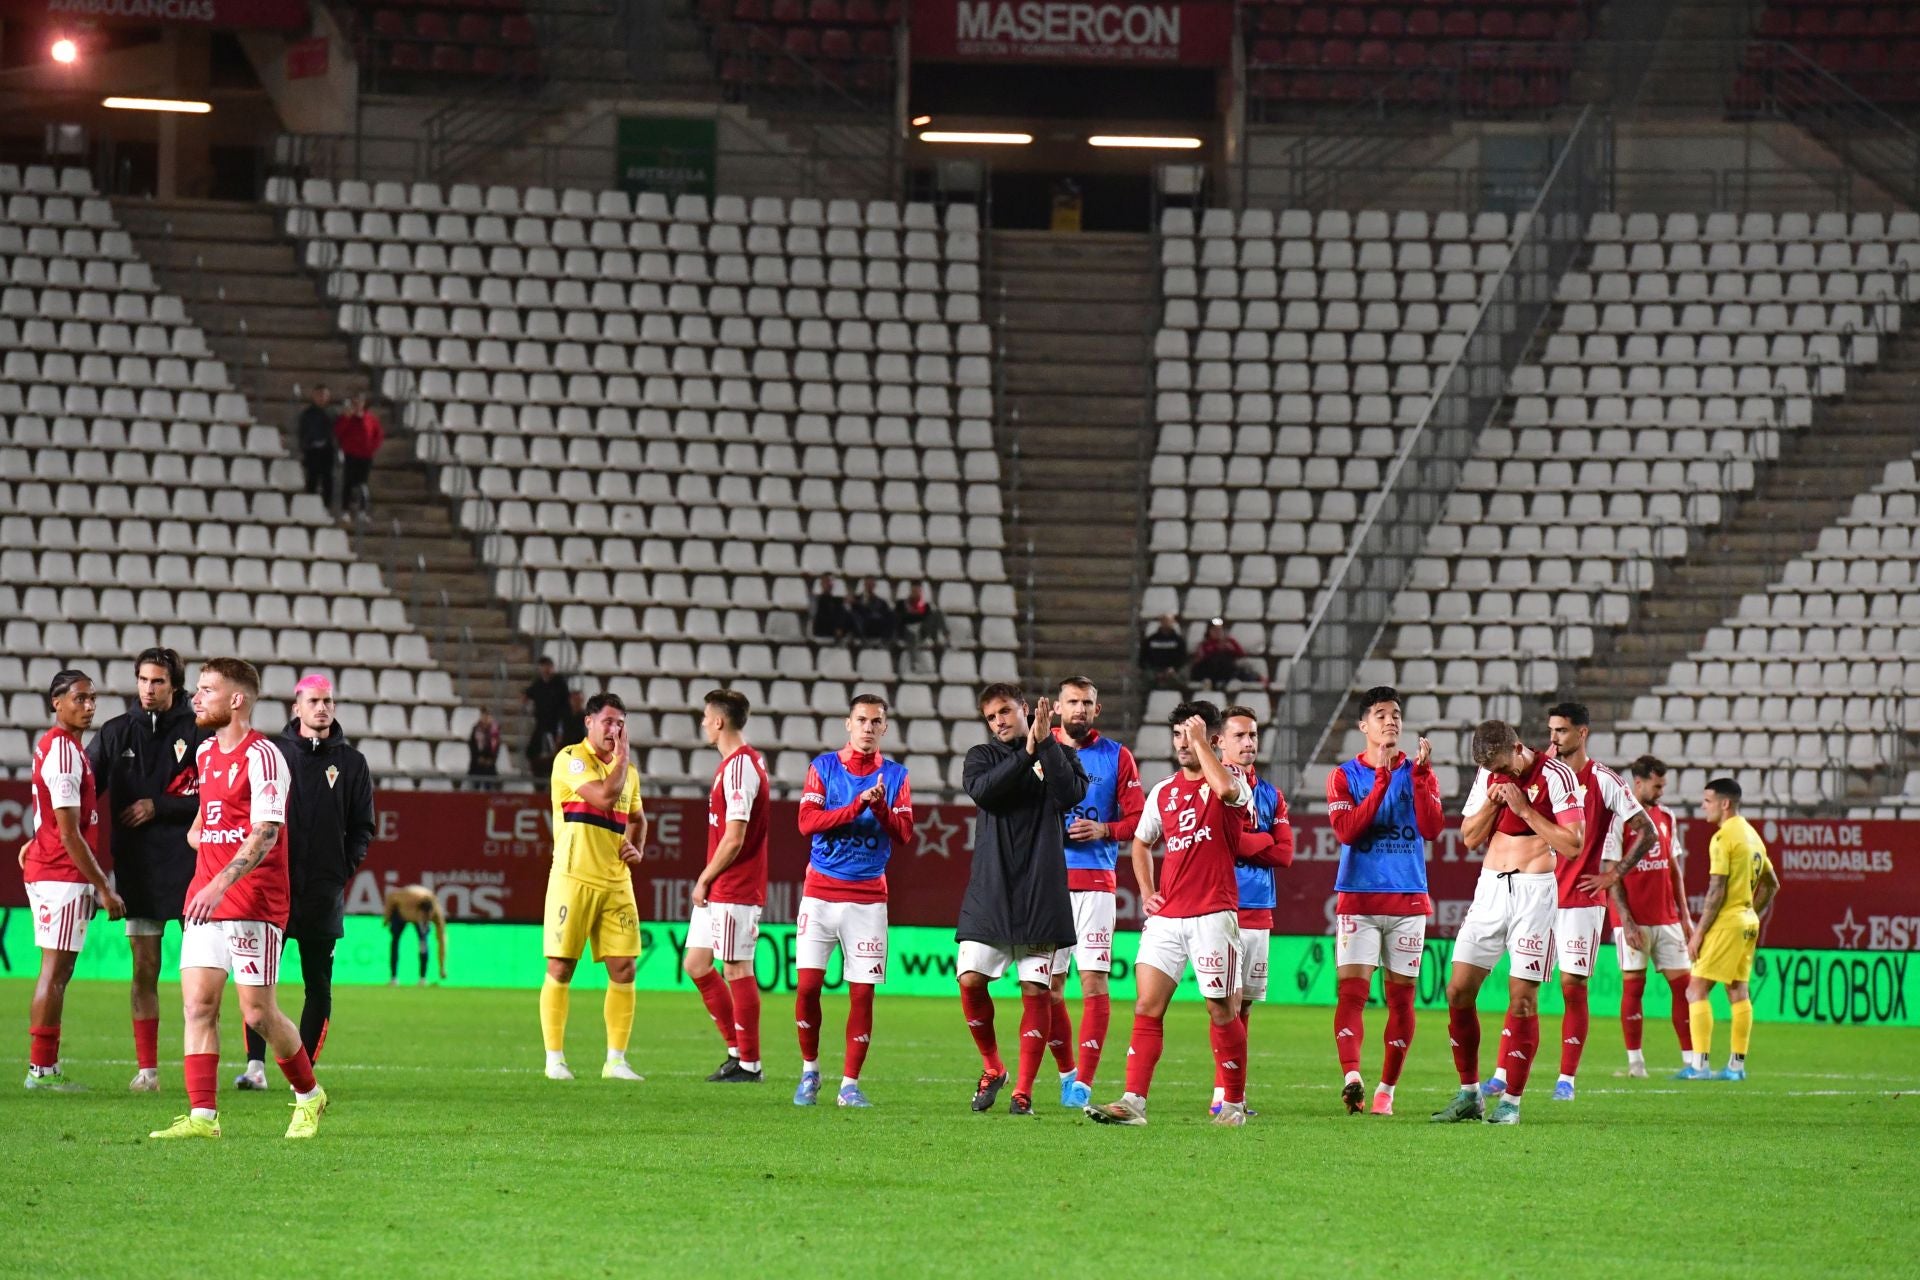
point(1811, 485)
point(1073, 317)
point(265, 317)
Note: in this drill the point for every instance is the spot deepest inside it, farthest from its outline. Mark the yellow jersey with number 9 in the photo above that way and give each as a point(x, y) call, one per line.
point(586, 837)
point(1737, 853)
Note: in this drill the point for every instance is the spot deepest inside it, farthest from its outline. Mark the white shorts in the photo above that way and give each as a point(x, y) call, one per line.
point(248, 949)
point(141, 927)
point(1370, 939)
point(728, 929)
point(1093, 917)
point(1666, 948)
point(1034, 964)
point(1577, 932)
point(1253, 963)
point(859, 929)
point(61, 910)
point(1211, 942)
point(1512, 914)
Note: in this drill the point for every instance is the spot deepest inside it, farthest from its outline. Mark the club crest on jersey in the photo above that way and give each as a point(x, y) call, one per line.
point(233, 771)
point(179, 750)
point(333, 775)
point(1039, 772)
point(1533, 792)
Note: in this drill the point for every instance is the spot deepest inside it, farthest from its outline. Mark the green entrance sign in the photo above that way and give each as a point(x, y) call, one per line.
point(673, 155)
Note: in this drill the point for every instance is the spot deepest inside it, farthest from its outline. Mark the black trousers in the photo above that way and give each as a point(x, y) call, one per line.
point(354, 492)
point(316, 975)
point(318, 464)
point(399, 927)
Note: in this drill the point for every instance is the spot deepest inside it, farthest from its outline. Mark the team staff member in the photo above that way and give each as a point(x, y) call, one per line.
point(143, 760)
point(329, 826)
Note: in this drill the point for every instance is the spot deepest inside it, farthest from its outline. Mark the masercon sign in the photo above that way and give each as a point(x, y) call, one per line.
point(1194, 34)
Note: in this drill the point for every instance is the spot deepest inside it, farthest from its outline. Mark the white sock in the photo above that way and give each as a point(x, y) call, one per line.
point(1470, 1088)
point(1500, 1074)
point(1635, 1058)
point(750, 1066)
point(809, 1066)
point(1384, 1088)
point(1699, 1061)
point(1565, 1078)
point(1065, 1075)
point(848, 1082)
point(256, 1066)
point(205, 1113)
point(732, 1052)
point(616, 1055)
point(1514, 1098)
point(1219, 1095)
point(309, 1095)
point(1353, 1077)
point(556, 1057)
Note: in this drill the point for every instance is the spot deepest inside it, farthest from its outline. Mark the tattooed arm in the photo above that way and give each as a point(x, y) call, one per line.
point(252, 853)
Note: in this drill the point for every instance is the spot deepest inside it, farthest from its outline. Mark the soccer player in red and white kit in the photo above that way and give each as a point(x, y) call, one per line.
point(1651, 922)
point(1525, 808)
point(732, 889)
point(1264, 846)
point(1580, 921)
point(63, 876)
point(1191, 916)
point(237, 904)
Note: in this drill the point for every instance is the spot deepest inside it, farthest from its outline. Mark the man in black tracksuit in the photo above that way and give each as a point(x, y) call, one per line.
point(1017, 911)
point(329, 826)
point(144, 763)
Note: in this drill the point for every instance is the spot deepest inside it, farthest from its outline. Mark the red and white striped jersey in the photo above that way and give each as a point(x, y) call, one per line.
point(237, 789)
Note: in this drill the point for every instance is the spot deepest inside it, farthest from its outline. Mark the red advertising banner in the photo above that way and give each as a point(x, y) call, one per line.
point(307, 58)
point(1848, 885)
point(1124, 33)
point(266, 15)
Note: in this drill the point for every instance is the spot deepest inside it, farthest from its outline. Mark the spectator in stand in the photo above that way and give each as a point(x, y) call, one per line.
point(918, 622)
point(872, 614)
point(1164, 652)
point(1220, 660)
point(547, 698)
point(360, 435)
point(830, 620)
point(483, 750)
point(574, 729)
point(318, 453)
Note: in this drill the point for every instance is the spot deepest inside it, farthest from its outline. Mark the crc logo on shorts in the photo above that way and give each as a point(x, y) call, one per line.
point(1534, 946)
point(245, 944)
point(1578, 946)
point(1097, 938)
point(1408, 942)
point(870, 947)
point(1209, 962)
point(214, 808)
point(1260, 968)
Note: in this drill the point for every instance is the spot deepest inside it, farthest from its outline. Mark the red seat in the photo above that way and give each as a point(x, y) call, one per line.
point(449, 58)
point(825, 12)
point(474, 28)
point(1810, 23)
point(1496, 24)
point(836, 42)
point(386, 22)
point(1850, 23)
point(1349, 22)
point(1302, 53)
point(750, 10)
point(488, 60)
point(1374, 53)
point(431, 26)
point(864, 12)
point(1268, 52)
point(802, 42)
point(1534, 25)
point(787, 11)
point(1276, 21)
point(876, 42)
point(1459, 24)
point(712, 12)
point(1883, 23)
point(1311, 22)
point(517, 29)
point(1387, 24)
point(1336, 53)
point(1776, 24)
point(404, 57)
point(1409, 55)
point(1423, 24)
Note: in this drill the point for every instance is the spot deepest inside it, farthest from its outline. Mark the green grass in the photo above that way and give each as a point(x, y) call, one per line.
point(447, 1154)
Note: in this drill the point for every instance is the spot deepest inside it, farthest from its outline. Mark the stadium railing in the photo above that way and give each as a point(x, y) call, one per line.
point(1353, 607)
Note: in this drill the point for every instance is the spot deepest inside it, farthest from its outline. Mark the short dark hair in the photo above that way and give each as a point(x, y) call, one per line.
point(543, 661)
point(1242, 712)
point(63, 681)
point(1725, 787)
point(1378, 694)
point(1574, 713)
point(601, 701)
point(235, 671)
point(998, 690)
point(1199, 707)
point(1080, 682)
point(1648, 767)
point(162, 657)
point(731, 701)
point(1491, 740)
point(867, 700)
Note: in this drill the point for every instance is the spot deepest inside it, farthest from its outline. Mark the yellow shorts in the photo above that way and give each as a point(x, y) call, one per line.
point(577, 912)
point(1726, 953)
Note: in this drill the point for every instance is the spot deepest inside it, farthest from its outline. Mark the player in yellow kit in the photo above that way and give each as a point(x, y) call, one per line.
point(599, 830)
point(1740, 885)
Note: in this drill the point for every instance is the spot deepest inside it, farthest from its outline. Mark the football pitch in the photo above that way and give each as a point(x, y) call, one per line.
point(446, 1153)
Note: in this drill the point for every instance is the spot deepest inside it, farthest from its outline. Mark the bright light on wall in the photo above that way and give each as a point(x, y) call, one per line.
point(158, 104)
point(64, 51)
point(922, 121)
point(1159, 144)
point(987, 139)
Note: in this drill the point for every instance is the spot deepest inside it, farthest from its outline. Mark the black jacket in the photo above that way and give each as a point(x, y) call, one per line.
point(315, 428)
point(144, 756)
point(1017, 890)
point(329, 826)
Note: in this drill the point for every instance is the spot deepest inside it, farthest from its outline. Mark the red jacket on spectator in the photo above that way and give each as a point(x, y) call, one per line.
point(360, 435)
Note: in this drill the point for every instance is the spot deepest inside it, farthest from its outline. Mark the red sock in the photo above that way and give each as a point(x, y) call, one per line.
point(1348, 1028)
point(1143, 1053)
point(859, 1027)
point(1219, 1075)
point(977, 1004)
point(1463, 1031)
point(43, 1048)
point(1036, 1016)
point(713, 990)
point(146, 1043)
point(1400, 1024)
point(1633, 995)
point(806, 1013)
point(1681, 1022)
point(202, 1074)
point(1095, 1013)
point(1573, 1029)
point(1229, 1041)
point(1060, 1034)
point(746, 1016)
point(298, 1070)
point(1519, 1046)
